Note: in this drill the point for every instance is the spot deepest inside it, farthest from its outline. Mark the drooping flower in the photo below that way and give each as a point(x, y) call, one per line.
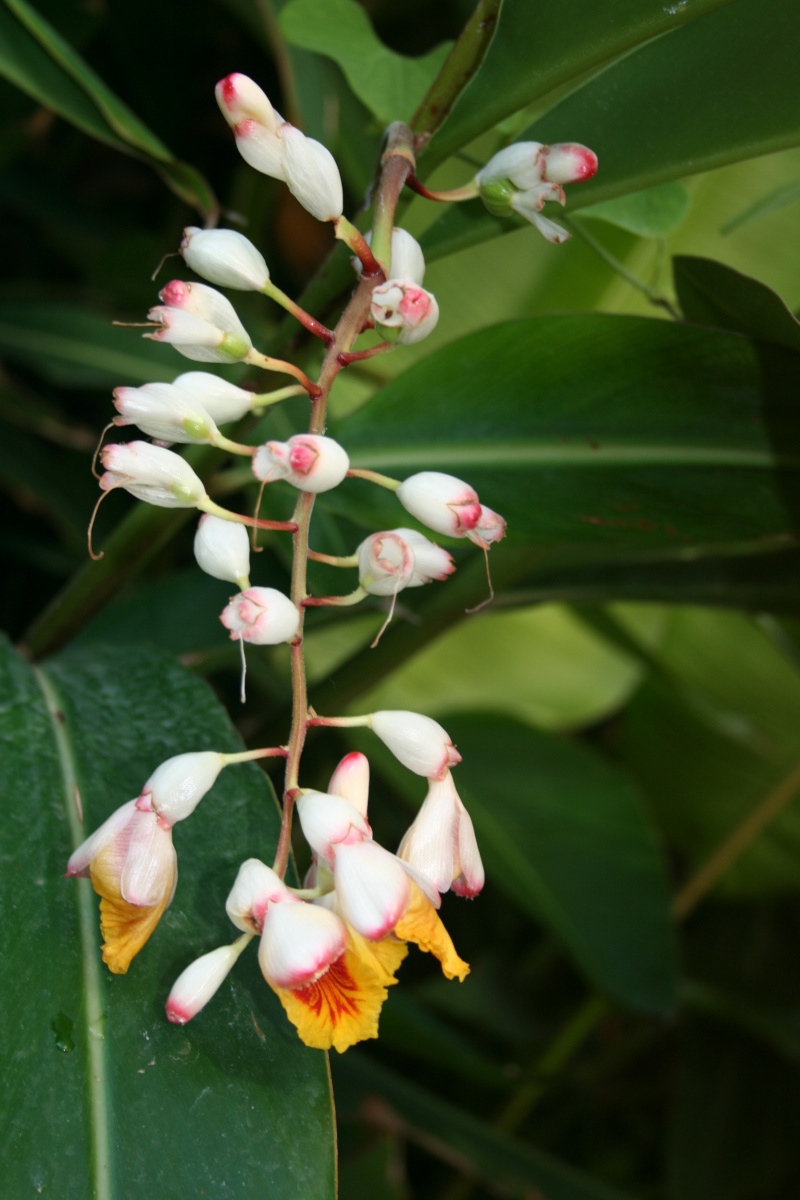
point(222, 550)
point(419, 742)
point(151, 473)
point(309, 461)
point(400, 558)
point(523, 177)
point(163, 411)
point(441, 843)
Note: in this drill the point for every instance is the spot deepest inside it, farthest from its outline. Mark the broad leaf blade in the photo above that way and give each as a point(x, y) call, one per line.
point(103, 1096)
point(621, 435)
point(710, 293)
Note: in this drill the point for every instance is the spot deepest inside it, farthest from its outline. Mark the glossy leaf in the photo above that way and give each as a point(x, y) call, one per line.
point(389, 84)
point(710, 293)
point(539, 48)
point(734, 712)
point(101, 1095)
point(713, 108)
point(654, 212)
point(620, 435)
point(451, 1133)
point(35, 58)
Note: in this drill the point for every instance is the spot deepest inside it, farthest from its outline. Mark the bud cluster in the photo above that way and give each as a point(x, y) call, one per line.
point(330, 949)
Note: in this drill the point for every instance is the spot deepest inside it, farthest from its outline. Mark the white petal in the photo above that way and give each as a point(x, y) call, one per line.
point(372, 889)
point(222, 549)
point(81, 858)
point(256, 886)
point(299, 942)
point(149, 863)
point(179, 784)
point(420, 743)
point(350, 780)
point(327, 820)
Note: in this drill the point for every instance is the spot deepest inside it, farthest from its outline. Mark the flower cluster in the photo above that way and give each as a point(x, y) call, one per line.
point(332, 948)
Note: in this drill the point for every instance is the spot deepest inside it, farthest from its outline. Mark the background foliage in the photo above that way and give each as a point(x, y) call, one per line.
point(628, 709)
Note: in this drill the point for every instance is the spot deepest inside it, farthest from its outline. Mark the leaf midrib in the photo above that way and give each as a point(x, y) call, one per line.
point(520, 453)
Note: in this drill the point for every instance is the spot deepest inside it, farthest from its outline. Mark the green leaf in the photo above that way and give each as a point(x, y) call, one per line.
point(389, 84)
point(541, 47)
point(35, 58)
point(548, 668)
point(78, 348)
point(713, 747)
point(101, 1095)
point(654, 212)
point(621, 436)
point(775, 200)
point(567, 839)
point(713, 109)
point(710, 293)
point(508, 1166)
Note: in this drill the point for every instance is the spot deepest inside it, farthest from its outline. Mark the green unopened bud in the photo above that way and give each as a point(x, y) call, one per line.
point(234, 347)
point(497, 196)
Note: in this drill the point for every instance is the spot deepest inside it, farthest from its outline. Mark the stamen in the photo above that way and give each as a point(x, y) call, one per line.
point(490, 597)
point(106, 428)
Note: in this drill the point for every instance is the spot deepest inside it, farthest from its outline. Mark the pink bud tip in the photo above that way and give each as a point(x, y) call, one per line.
point(226, 89)
point(175, 293)
point(302, 458)
point(177, 1014)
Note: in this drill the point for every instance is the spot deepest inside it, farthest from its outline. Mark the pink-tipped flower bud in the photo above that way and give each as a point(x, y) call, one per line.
point(262, 616)
point(255, 888)
point(441, 502)
point(177, 786)
point(441, 843)
point(328, 821)
point(200, 323)
point(568, 162)
point(420, 743)
point(430, 561)
point(222, 549)
point(162, 411)
point(350, 780)
point(151, 473)
point(225, 257)
point(311, 174)
point(240, 99)
point(299, 943)
point(309, 461)
point(201, 980)
point(405, 312)
point(222, 401)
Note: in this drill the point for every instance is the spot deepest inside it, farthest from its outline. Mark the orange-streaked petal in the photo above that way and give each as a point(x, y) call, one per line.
point(125, 927)
point(420, 924)
point(340, 1008)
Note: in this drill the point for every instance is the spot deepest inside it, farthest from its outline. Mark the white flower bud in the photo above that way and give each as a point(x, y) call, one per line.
point(568, 162)
point(430, 561)
point(311, 174)
point(225, 257)
point(328, 820)
point(407, 262)
point(441, 502)
point(162, 411)
point(420, 743)
point(240, 99)
point(256, 887)
point(176, 787)
point(299, 943)
point(523, 177)
point(200, 323)
point(520, 163)
point(260, 148)
point(222, 549)
point(151, 473)
point(262, 616)
point(222, 401)
point(201, 980)
point(309, 461)
point(350, 780)
point(372, 888)
point(405, 312)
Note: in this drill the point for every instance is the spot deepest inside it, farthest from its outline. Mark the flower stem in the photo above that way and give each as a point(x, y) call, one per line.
point(384, 481)
point(312, 325)
point(256, 359)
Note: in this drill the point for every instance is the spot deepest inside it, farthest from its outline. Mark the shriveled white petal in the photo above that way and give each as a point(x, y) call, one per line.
point(195, 986)
point(178, 785)
point(419, 742)
point(149, 862)
point(299, 943)
point(372, 888)
point(256, 886)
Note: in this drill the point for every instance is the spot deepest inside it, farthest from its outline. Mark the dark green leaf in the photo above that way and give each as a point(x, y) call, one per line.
point(508, 1166)
point(710, 293)
point(389, 84)
point(101, 1095)
point(654, 212)
point(539, 48)
point(620, 435)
